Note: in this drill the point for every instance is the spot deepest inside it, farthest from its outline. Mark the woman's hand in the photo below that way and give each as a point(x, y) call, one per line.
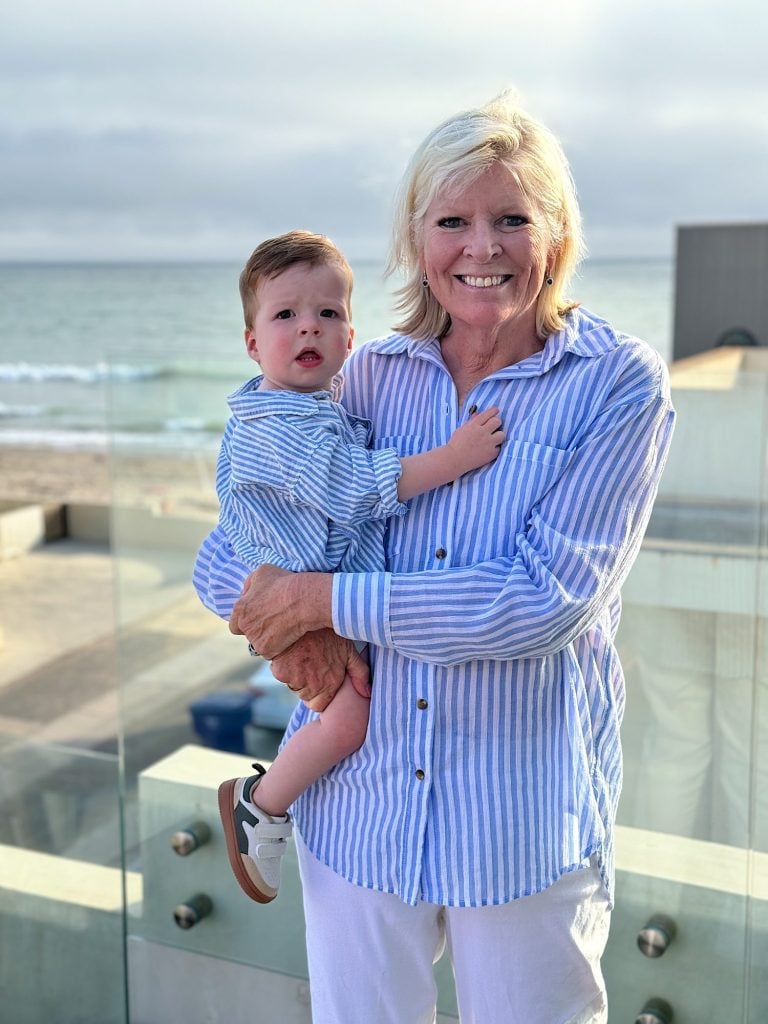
point(315, 666)
point(277, 607)
point(286, 618)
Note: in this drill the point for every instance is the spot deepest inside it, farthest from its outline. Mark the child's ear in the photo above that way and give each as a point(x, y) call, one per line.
point(250, 344)
point(351, 339)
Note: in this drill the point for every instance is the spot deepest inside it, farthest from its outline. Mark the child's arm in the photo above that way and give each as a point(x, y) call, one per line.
point(472, 445)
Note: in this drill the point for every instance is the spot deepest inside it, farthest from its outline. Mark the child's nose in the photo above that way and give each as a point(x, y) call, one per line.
point(309, 326)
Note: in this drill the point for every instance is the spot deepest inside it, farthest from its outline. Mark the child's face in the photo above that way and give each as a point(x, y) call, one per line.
point(301, 333)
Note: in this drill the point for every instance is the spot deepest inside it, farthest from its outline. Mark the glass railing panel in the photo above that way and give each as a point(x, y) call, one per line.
point(61, 878)
point(689, 623)
point(61, 886)
point(757, 945)
point(688, 824)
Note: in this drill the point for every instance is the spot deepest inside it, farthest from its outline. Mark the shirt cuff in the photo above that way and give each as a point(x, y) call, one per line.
point(360, 606)
point(388, 469)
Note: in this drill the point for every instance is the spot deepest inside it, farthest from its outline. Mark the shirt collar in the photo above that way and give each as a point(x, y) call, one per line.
point(394, 344)
point(585, 335)
point(248, 403)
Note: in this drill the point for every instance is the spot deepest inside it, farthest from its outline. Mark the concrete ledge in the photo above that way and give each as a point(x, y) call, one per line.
point(670, 858)
point(696, 579)
point(61, 939)
point(61, 880)
point(24, 527)
point(125, 527)
point(89, 523)
point(144, 528)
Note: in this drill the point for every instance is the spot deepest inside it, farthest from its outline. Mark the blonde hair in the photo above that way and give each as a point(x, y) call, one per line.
point(277, 254)
point(452, 156)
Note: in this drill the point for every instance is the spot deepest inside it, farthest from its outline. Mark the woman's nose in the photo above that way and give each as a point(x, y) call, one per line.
point(482, 243)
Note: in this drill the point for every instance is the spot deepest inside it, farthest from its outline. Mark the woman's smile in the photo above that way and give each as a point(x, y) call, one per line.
point(483, 282)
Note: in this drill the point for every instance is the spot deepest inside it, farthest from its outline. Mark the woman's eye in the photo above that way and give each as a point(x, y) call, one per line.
point(513, 220)
point(328, 312)
point(449, 222)
point(284, 314)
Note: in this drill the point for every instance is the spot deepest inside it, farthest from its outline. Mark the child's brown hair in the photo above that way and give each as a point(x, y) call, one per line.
point(275, 255)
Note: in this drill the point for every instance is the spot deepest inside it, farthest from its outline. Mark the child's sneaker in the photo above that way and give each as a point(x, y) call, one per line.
point(255, 840)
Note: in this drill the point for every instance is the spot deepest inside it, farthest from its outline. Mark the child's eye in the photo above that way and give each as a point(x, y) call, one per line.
point(284, 314)
point(449, 222)
point(329, 312)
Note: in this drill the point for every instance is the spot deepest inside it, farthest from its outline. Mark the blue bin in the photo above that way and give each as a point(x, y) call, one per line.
point(219, 719)
point(272, 702)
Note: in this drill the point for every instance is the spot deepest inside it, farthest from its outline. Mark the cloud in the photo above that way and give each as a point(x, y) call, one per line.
point(184, 128)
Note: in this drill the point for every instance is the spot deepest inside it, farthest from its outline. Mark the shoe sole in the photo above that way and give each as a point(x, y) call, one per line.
point(227, 815)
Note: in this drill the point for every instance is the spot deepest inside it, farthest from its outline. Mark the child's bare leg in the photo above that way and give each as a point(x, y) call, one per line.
point(313, 750)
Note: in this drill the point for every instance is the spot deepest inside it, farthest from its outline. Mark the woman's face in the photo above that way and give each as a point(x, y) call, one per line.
point(485, 252)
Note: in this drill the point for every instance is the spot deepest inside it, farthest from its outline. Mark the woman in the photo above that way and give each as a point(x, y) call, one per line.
point(480, 810)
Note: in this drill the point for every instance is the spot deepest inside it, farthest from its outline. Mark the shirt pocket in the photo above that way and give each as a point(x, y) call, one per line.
point(404, 444)
point(523, 474)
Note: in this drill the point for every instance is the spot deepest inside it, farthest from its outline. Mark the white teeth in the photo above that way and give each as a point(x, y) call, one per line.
point(482, 282)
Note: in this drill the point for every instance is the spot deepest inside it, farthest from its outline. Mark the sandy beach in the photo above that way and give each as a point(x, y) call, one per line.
point(182, 482)
point(73, 592)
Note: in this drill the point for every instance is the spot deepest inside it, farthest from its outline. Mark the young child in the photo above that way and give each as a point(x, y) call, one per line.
point(299, 488)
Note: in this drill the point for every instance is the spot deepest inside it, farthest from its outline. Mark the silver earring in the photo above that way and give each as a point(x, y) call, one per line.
point(424, 281)
point(548, 281)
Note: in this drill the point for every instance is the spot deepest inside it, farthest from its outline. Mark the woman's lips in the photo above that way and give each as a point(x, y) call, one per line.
point(485, 281)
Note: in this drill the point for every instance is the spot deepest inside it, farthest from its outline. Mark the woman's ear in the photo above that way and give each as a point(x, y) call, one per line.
point(553, 255)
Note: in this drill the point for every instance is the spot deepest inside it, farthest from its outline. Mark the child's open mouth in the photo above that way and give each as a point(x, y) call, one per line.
point(309, 357)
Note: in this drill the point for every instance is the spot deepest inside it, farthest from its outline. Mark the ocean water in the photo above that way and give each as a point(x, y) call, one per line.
point(143, 355)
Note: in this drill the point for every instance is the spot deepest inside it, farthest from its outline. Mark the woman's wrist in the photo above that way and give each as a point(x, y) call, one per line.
point(314, 595)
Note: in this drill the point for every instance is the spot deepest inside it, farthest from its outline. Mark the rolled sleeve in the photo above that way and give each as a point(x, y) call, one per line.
point(346, 482)
point(218, 575)
point(387, 470)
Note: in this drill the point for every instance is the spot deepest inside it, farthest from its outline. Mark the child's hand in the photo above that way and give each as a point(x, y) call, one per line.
point(477, 441)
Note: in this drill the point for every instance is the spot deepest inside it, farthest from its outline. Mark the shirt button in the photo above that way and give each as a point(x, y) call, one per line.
point(441, 553)
point(472, 410)
point(419, 774)
point(421, 704)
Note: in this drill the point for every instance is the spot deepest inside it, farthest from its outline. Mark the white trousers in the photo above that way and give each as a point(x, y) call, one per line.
point(533, 961)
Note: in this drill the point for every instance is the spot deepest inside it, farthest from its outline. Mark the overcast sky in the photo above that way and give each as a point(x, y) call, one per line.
point(161, 129)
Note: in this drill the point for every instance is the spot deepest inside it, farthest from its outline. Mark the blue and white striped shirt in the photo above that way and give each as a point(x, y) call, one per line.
point(297, 488)
point(492, 764)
